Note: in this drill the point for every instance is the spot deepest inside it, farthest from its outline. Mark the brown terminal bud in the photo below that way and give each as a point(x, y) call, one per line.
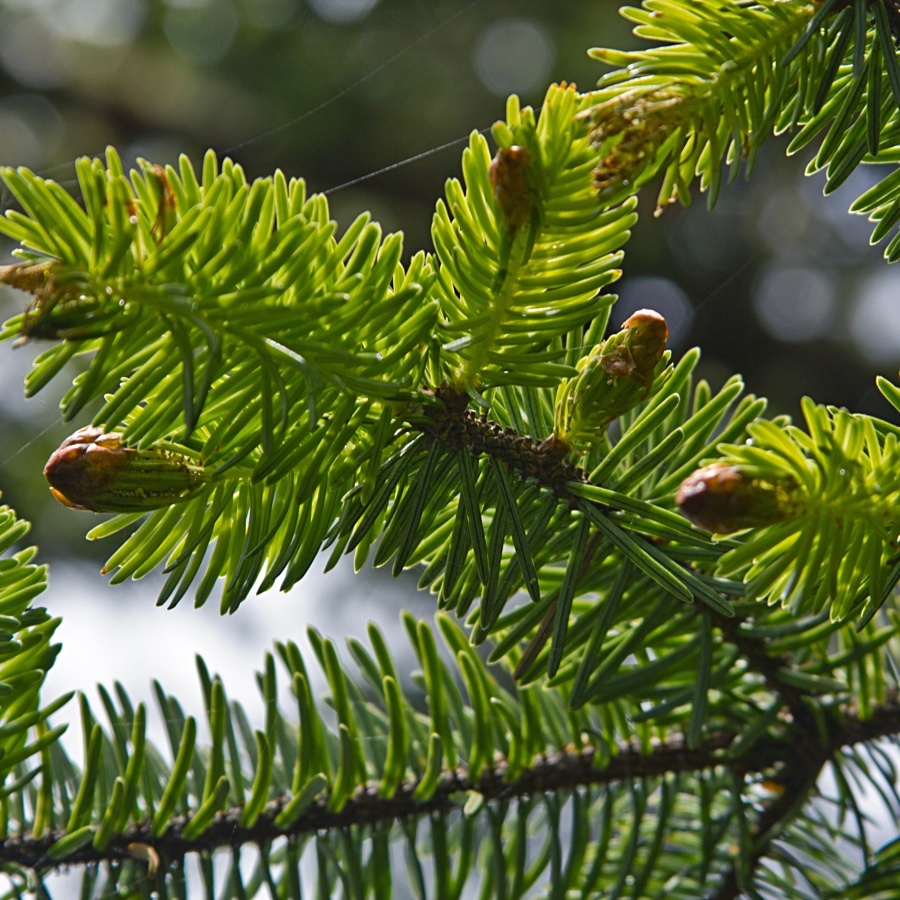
point(724, 498)
point(93, 470)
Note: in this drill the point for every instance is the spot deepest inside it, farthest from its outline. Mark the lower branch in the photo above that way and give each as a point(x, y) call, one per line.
point(564, 771)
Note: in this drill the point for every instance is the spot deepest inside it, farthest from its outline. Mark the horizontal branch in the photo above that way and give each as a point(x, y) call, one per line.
point(563, 771)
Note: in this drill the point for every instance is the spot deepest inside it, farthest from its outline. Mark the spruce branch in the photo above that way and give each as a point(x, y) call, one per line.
point(711, 92)
point(262, 381)
point(719, 81)
point(567, 770)
point(521, 251)
point(819, 506)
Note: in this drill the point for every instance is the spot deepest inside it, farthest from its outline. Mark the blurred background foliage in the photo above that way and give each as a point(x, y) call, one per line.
point(371, 101)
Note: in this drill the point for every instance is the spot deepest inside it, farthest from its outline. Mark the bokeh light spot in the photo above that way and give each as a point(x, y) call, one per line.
point(30, 53)
point(784, 222)
point(795, 303)
point(110, 23)
point(875, 319)
point(514, 56)
point(30, 130)
point(267, 13)
point(342, 11)
point(202, 34)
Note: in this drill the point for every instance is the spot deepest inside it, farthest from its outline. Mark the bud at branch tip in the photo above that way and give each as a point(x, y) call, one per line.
point(94, 470)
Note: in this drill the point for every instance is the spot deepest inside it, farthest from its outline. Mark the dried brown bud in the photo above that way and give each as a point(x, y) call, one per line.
point(165, 213)
point(64, 305)
point(93, 470)
point(724, 498)
point(630, 129)
point(509, 180)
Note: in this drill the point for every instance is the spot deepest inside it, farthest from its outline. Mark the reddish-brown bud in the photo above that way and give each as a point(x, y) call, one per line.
point(724, 498)
point(93, 470)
